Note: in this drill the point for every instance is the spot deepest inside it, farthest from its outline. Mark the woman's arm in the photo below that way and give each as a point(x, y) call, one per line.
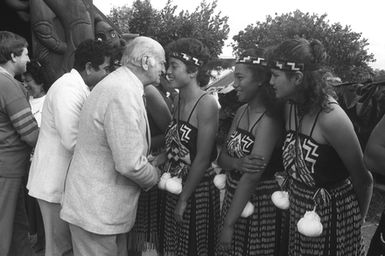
point(374, 156)
point(207, 115)
point(338, 131)
point(267, 136)
point(250, 163)
point(225, 161)
point(160, 113)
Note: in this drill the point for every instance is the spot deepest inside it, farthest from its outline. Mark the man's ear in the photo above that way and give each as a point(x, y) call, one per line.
point(88, 68)
point(298, 77)
point(145, 63)
point(13, 57)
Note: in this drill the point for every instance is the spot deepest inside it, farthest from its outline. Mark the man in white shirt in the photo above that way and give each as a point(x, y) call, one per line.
point(110, 167)
point(57, 139)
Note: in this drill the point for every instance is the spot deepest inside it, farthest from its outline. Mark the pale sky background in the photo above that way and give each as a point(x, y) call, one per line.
point(364, 17)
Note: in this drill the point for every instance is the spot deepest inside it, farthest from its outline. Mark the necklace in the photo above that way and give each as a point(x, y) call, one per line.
point(256, 113)
point(298, 127)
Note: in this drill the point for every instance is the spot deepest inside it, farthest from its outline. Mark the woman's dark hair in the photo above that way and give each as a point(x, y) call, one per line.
point(38, 73)
point(194, 49)
point(92, 51)
point(261, 74)
point(97, 19)
point(314, 89)
point(11, 43)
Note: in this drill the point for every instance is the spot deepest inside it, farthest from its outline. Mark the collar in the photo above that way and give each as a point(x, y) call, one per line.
point(136, 82)
point(78, 78)
point(3, 70)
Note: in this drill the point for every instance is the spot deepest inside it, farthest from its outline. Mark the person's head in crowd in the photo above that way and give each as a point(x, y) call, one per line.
point(13, 53)
point(298, 73)
point(251, 79)
point(187, 59)
point(106, 33)
point(145, 57)
point(92, 61)
point(35, 80)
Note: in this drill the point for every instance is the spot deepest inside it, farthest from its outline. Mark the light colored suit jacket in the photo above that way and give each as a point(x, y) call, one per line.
point(110, 166)
point(57, 137)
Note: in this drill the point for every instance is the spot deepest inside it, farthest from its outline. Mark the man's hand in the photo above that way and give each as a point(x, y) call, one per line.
point(158, 159)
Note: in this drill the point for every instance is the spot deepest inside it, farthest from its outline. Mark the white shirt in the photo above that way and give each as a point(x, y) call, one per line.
point(37, 108)
point(57, 137)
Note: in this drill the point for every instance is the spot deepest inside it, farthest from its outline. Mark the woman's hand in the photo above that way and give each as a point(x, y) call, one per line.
point(179, 209)
point(251, 163)
point(226, 237)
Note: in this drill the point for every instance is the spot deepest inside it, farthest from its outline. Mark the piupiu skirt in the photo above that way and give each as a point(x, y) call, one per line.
point(260, 233)
point(144, 234)
point(197, 234)
point(340, 217)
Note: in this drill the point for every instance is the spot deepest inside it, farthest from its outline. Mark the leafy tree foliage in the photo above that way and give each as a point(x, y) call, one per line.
point(348, 56)
point(166, 25)
point(119, 16)
point(365, 105)
point(379, 75)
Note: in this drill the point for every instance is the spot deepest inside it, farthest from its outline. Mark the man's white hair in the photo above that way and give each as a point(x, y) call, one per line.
point(138, 48)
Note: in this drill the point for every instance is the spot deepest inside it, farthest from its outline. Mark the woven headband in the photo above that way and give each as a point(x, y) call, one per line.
point(287, 65)
point(185, 57)
point(252, 60)
point(293, 66)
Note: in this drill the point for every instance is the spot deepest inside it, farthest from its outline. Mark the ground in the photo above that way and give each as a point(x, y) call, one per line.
point(377, 205)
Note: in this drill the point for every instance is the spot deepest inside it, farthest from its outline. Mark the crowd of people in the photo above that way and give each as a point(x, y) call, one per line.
point(112, 168)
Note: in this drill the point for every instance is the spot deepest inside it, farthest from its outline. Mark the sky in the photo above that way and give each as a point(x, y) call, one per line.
point(364, 17)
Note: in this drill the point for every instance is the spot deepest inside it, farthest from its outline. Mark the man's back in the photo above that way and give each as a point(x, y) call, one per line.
point(57, 138)
point(109, 164)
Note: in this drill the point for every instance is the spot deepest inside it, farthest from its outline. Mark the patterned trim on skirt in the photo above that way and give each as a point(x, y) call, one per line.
point(259, 234)
point(340, 217)
point(197, 235)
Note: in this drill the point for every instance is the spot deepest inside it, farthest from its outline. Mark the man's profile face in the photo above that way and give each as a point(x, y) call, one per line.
point(21, 62)
point(157, 66)
point(98, 74)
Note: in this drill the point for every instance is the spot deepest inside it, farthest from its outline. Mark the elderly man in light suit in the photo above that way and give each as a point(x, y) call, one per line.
point(110, 167)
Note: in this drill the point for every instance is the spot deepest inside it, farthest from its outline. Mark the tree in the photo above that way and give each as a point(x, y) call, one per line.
point(348, 56)
point(119, 16)
point(379, 75)
point(166, 25)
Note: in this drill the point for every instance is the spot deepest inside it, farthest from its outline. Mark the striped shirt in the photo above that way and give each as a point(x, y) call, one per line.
point(17, 125)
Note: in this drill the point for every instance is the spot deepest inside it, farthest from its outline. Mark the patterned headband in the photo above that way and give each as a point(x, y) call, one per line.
point(252, 60)
point(185, 57)
point(287, 65)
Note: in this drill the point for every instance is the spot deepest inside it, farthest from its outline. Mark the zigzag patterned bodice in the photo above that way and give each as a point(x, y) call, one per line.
point(240, 143)
point(299, 157)
point(311, 163)
point(180, 147)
